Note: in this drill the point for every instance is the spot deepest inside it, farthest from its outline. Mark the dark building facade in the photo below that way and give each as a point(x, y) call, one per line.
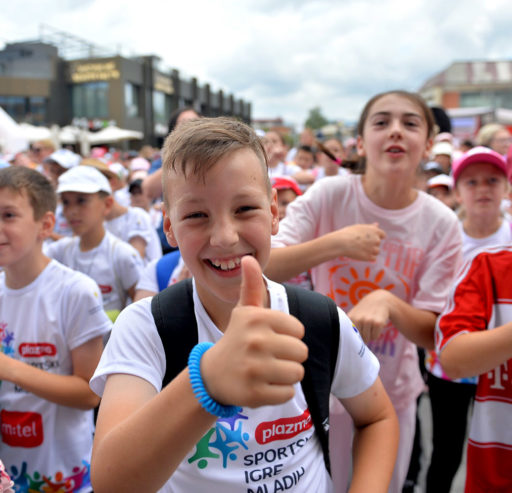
point(40, 87)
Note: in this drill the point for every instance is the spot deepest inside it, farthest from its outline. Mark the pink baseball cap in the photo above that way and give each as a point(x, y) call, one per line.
point(509, 163)
point(479, 154)
point(285, 183)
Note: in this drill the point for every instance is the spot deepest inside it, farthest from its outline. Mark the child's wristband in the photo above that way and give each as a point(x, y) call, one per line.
point(206, 401)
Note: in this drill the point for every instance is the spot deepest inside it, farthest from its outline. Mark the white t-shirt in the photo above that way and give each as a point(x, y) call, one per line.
point(319, 172)
point(261, 449)
point(113, 264)
point(123, 196)
point(61, 223)
point(284, 169)
point(503, 236)
point(137, 222)
point(148, 279)
point(40, 324)
point(417, 262)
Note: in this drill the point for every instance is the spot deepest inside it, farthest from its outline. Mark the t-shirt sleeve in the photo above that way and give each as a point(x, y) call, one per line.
point(85, 318)
point(468, 308)
point(301, 219)
point(442, 259)
point(356, 367)
point(129, 264)
point(134, 348)
point(148, 280)
point(140, 225)
point(56, 249)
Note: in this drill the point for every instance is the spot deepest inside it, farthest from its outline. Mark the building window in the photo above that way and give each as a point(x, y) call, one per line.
point(25, 109)
point(493, 99)
point(161, 107)
point(37, 110)
point(132, 100)
point(90, 100)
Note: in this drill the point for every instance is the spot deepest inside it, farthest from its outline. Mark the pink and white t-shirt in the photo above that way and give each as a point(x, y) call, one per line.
point(417, 262)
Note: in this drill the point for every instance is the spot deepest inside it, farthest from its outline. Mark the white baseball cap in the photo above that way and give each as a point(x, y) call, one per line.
point(65, 158)
point(440, 180)
point(84, 179)
point(442, 148)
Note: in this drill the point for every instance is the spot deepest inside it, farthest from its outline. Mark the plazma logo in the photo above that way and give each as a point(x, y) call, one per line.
point(223, 441)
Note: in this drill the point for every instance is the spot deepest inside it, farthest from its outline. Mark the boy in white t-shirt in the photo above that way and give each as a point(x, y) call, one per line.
point(132, 224)
point(221, 212)
point(112, 263)
point(51, 328)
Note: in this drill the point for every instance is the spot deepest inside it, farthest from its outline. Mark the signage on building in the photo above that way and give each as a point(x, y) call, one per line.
point(163, 84)
point(94, 71)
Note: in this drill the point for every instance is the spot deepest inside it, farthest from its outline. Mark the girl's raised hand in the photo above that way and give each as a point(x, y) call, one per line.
point(359, 241)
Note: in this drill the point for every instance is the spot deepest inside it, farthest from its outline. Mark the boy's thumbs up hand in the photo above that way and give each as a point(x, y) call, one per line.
point(252, 288)
point(259, 358)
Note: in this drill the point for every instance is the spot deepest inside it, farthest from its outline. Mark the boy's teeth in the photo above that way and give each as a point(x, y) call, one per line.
point(226, 264)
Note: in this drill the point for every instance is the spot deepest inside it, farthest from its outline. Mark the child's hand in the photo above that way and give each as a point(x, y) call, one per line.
point(258, 360)
point(359, 242)
point(371, 315)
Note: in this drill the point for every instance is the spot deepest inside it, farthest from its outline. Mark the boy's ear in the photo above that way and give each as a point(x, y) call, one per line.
point(47, 225)
point(274, 209)
point(109, 203)
point(169, 233)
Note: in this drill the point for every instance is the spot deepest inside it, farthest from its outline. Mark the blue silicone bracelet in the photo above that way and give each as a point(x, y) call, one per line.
point(206, 401)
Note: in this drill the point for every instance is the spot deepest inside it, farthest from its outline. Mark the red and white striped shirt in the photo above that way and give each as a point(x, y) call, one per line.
point(481, 299)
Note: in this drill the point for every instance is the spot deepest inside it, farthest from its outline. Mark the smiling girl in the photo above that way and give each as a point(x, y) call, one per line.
point(384, 251)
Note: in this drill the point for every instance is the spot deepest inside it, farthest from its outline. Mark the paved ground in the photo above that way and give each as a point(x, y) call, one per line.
point(426, 428)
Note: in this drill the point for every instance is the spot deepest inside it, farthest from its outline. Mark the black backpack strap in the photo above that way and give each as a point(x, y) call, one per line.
point(319, 316)
point(173, 311)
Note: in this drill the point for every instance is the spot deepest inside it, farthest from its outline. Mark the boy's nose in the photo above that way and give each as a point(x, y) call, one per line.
point(224, 234)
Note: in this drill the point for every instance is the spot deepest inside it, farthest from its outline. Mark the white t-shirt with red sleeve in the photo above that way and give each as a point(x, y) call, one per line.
point(417, 262)
point(482, 300)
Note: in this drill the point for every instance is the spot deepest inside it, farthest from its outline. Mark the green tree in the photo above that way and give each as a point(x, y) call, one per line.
point(315, 119)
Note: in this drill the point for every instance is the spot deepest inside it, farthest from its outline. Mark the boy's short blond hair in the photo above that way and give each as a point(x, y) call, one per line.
point(40, 192)
point(196, 146)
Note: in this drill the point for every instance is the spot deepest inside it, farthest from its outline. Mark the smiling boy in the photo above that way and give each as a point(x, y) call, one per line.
point(51, 328)
point(221, 212)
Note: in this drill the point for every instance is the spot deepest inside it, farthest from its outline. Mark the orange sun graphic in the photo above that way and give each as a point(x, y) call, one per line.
point(357, 288)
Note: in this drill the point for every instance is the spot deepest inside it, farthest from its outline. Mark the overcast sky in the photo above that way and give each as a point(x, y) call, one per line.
point(285, 56)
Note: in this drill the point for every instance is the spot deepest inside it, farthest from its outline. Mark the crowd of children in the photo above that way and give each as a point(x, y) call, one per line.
point(229, 379)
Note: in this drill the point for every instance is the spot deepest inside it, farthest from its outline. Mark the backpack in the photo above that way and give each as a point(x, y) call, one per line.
point(165, 267)
point(173, 311)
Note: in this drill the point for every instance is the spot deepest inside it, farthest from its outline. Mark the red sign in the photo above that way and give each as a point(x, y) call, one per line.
point(283, 429)
point(22, 429)
point(105, 289)
point(37, 349)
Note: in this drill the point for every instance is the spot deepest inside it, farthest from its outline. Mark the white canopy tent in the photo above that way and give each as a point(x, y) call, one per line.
point(12, 139)
point(112, 134)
